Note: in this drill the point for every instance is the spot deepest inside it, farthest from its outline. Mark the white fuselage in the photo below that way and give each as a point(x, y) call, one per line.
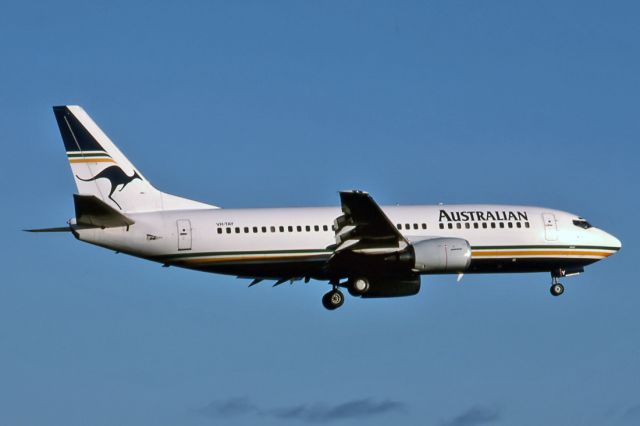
point(269, 242)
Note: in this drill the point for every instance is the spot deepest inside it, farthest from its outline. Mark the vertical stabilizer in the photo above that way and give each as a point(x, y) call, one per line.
point(101, 170)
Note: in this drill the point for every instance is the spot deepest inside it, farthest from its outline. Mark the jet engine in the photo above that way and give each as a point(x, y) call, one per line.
point(441, 255)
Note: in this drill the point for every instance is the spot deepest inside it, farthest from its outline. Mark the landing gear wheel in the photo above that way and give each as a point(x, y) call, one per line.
point(557, 289)
point(333, 300)
point(358, 286)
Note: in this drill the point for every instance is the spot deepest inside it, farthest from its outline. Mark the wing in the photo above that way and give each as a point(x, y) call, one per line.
point(364, 228)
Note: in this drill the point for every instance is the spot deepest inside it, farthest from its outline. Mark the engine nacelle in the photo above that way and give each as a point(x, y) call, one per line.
point(441, 255)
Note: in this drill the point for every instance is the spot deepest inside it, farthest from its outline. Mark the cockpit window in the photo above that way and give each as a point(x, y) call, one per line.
point(582, 223)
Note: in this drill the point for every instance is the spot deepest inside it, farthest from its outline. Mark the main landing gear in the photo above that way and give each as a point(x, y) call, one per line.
point(556, 288)
point(333, 300)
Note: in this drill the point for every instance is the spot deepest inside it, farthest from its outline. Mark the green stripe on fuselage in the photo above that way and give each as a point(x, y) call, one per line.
point(543, 247)
point(324, 251)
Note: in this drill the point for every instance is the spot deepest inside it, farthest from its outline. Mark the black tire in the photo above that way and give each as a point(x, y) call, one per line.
point(557, 289)
point(326, 303)
point(333, 300)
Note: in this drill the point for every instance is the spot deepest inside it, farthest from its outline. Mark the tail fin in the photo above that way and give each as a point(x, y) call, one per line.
point(101, 170)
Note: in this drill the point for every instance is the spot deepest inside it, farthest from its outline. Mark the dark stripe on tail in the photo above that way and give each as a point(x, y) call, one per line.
point(74, 135)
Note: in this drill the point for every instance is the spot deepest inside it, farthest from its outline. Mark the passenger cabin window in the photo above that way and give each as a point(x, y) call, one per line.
point(581, 223)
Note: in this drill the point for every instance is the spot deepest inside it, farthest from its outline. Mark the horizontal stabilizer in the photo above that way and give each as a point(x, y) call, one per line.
point(91, 211)
point(58, 229)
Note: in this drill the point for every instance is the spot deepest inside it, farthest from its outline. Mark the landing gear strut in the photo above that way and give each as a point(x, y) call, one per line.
point(334, 299)
point(556, 288)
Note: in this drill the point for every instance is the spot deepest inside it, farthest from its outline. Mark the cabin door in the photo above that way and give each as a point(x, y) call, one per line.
point(184, 234)
point(550, 227)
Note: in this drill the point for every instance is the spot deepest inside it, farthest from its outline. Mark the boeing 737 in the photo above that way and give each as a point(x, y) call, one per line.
point(371, 250)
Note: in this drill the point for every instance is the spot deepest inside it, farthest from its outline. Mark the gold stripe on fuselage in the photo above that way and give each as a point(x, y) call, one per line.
point(544, 253)
point(475, 254)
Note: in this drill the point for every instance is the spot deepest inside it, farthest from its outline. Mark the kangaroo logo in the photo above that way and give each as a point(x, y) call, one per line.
point(116, 177)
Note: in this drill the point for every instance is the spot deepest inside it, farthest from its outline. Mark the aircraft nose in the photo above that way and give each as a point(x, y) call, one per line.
point(611, 241)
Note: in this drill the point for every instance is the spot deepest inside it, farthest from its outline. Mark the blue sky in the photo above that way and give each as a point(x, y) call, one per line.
point(255, 104)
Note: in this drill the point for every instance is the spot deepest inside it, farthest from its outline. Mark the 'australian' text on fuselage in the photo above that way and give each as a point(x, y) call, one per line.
point(466, 216)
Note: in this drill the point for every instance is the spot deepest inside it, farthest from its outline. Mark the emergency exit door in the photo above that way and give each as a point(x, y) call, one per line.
point(550, 227)
point(184, 234)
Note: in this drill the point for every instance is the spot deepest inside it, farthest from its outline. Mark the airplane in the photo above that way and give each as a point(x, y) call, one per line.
point(373, 251)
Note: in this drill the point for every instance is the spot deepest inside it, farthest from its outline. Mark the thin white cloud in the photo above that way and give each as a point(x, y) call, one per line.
point(474, 416)
point(312, 413)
